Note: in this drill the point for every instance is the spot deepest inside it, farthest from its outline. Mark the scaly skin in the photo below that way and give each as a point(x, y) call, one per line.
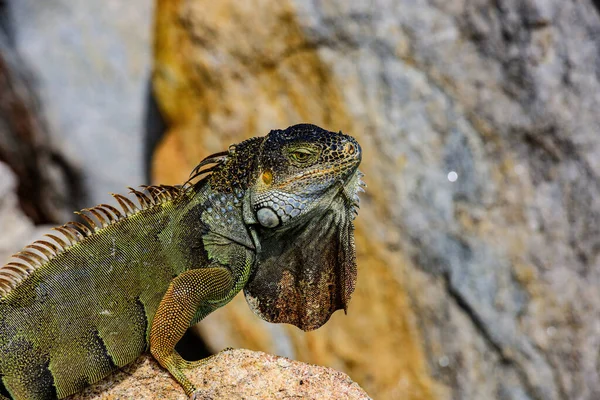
point(272, 216)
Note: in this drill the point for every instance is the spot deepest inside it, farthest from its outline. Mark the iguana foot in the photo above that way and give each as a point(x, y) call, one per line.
point(195, 364)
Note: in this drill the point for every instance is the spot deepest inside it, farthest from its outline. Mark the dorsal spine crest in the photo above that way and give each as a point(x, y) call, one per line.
point(40, 252)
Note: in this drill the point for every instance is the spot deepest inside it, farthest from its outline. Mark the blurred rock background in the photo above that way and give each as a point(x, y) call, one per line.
point(91, 66)
point(479, 287)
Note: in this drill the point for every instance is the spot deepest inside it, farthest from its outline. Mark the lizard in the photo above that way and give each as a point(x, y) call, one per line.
point(272, 216)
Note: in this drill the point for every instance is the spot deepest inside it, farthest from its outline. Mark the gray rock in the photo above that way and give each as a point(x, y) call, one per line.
point(46, 183)
point(91, 60)
point(18, 229)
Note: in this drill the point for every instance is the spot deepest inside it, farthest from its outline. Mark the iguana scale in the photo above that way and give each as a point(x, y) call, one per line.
point(272, 215)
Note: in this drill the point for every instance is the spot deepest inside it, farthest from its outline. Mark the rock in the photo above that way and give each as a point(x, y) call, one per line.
point(47, 185)
point(231, 374)
point(91, 61)
point(479, 286)
point(19, 229)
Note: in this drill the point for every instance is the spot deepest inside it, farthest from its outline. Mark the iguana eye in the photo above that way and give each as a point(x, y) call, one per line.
point(300, 155)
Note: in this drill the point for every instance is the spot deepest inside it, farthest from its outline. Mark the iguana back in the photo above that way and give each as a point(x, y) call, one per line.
point(89, 307)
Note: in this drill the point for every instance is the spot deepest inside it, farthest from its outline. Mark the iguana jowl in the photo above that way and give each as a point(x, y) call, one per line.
point(273, 216)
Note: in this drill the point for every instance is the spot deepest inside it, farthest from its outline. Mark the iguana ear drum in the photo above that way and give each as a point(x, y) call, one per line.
point(267, 217)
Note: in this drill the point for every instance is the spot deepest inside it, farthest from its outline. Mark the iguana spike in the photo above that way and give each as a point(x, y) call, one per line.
point(166, 196)
point(9, 272)
point(150, 192)
point(41, 249)
point(58, 240)
point(126, 204)
point(157, 193)
point(173, 191)
point(67, 234)
point(141, 197)
point(114, 210)
point(98, 216)
point(154, 193)
point(11, 278)
point(168, 192)
point(85, 231)
point(4, 288)
point(13, 271)
point(197, 172)
point(36, 257)
point(49, 245)
point(89, 221)
point(24, 268)
point(216, 158)
point(74, 233)
point(106, 212)
point(8, 280)
point(145, 201)
point(18, 268)
point(148, 188)
point(25, 256)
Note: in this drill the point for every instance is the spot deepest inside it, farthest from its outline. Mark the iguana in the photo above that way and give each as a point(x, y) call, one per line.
point(272, 216)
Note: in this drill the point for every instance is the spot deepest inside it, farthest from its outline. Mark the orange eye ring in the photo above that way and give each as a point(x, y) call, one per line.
point(267, 177)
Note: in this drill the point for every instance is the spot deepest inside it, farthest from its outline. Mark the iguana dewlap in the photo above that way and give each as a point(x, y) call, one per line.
point(273, 216)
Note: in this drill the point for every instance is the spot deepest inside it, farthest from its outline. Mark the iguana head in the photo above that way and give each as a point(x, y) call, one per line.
point(301, 201)
point(300, 169)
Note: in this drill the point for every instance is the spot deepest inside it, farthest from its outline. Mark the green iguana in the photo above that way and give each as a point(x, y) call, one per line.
point(273, 216)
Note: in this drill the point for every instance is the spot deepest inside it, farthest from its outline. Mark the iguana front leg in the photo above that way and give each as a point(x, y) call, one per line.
point(189, 292)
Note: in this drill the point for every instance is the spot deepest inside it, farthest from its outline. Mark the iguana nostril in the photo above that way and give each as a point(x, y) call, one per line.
point(350, 148)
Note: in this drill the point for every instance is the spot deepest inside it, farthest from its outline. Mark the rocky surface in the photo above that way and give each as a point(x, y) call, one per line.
point(91, 62)
point(46, 184)
point(483, 286)
point(17, 230)
point(232, 374)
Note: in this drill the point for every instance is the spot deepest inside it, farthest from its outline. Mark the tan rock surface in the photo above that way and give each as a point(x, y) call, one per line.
point(232, 374)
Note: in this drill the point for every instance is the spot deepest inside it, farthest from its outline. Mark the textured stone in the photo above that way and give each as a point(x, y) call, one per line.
point(18, 229)
point(46, 183)
point(233, 374)
point(91, 60)
point(485, 287)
